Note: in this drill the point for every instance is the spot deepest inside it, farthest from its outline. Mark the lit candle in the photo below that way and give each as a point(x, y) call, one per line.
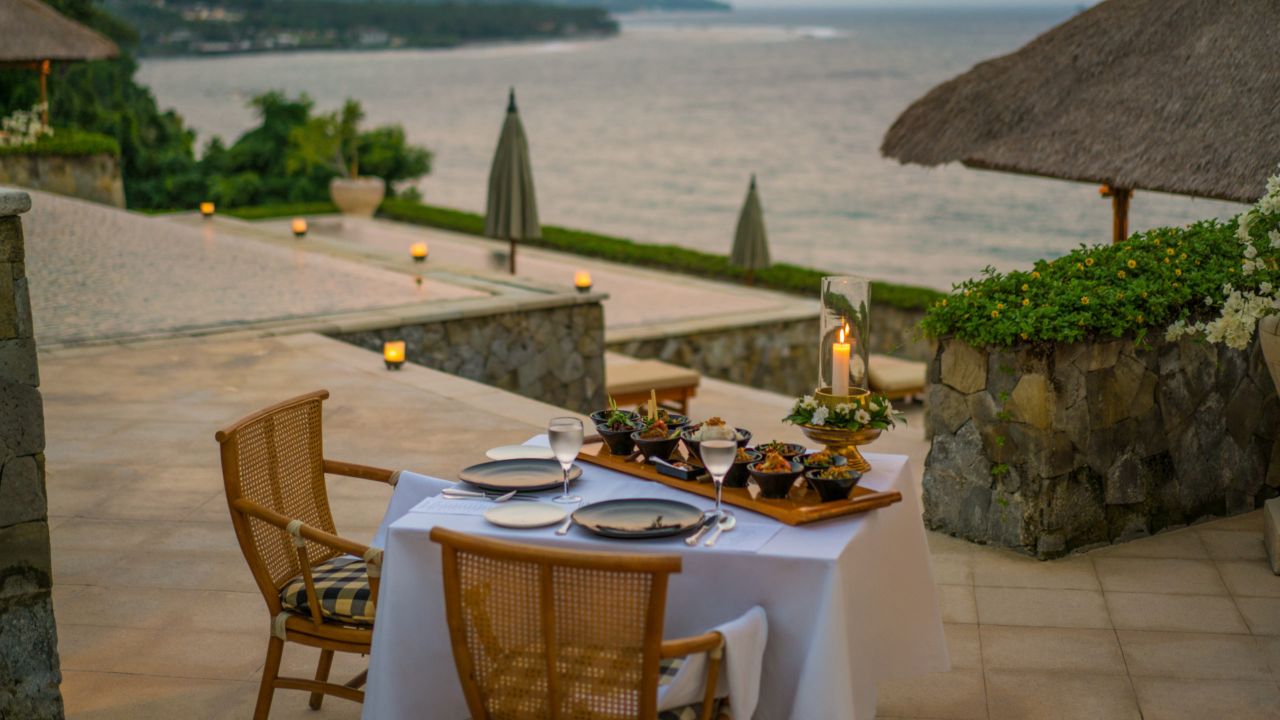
point(582, 281)
point(206, 209)
point(419, 252)
point(840, 366)
point(393, 354)
point(299, 226)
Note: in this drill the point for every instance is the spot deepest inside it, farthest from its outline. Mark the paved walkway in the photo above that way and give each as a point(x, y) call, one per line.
point(158, 618)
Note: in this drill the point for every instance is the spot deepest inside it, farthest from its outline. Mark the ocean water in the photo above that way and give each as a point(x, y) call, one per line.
point(654, 134)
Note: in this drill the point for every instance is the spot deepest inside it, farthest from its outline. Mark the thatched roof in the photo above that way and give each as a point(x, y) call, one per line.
point(34, 31)
point(1180, 96)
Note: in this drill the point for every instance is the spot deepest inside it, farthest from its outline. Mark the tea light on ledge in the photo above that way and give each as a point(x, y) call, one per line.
point(206, 209)
point(419, 252)
point(393, 354)
point(299, 227)
point(582, 281)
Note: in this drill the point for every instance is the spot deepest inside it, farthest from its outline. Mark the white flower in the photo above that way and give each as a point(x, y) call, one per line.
point(807, 402)
point(1242, 231)
point(1265, 288)
point(820, 415)
point(843, 408)
point(862, 416)
point(1274, 237)
point(1250, 251)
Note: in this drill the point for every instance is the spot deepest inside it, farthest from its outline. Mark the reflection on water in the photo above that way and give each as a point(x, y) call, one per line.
point(654, 134)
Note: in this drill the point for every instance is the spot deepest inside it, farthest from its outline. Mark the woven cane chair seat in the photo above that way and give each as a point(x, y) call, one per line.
point(342, 587)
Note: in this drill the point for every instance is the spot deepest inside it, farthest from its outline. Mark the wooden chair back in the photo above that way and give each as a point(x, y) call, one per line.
point(275, 459)
point(554, 634)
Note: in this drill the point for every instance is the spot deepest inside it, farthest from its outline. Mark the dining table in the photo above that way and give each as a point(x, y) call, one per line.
point(850, 602)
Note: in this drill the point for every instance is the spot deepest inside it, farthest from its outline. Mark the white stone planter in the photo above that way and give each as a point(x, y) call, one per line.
point(357, 197)
point(1269, 338)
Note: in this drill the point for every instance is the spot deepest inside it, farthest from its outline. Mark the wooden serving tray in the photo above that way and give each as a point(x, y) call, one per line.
point(800, 507)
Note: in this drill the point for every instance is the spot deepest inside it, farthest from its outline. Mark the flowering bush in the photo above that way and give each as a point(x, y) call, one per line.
point(23, 127)
point(877, 412)
point(1211, 277)
point(1256, 292)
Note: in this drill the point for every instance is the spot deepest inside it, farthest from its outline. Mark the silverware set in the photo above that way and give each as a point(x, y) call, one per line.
point(725, 523)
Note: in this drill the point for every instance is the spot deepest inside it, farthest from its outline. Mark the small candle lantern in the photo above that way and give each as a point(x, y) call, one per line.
point(844, 328)
point(419, 252)
point(206, 209)
point(393, 354)
point(299, 227)
point(582, 281)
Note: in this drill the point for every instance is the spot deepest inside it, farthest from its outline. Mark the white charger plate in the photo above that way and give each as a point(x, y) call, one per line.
point(525, 514)
point(520, 452)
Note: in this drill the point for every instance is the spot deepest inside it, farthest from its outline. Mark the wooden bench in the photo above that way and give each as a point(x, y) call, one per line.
point(896, 378)
point(630, 383)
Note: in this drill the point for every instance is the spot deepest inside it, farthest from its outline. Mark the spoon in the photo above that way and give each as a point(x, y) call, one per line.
point(726, 523)
point(707, 522)
point(568, 523)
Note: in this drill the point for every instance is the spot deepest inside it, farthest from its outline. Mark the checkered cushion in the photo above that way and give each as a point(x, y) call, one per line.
point(667, 671)
point(342, 585)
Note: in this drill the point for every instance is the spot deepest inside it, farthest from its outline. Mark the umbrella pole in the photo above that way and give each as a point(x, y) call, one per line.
point(44, 91)
point(511, 258)
point(1120, 214)
point(751, 277)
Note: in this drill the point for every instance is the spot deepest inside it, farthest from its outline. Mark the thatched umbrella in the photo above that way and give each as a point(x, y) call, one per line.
point(1178, 96)
point(750, 242)
point(37, 35)
point(512, 211)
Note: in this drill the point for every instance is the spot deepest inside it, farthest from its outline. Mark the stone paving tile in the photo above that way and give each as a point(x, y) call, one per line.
point(1189, 613)
point(1193, 655)
point(186, 653)
point(1233, 545)
point(1262, 614)
point(957, 603)
point(963, 646)
point(1194, 577)
point(1252, 578)
point(1083, 650)
point(1042, 608)
point(184, 277)
point(122, 696)
point(956, 695)
point(1180, 544)
point(1001, 568)
point(1170, 699)
point(1023, 695)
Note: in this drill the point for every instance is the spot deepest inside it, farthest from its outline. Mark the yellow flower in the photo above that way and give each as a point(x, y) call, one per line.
point(1178, 272)
point(1079, 266)
point(1144, 294)
point(1197, 262)
point(1132, 264)
point(1183, 256)
point(999, 306)
point(1025, 287)
point(995, 313)
point(1166, 261)
point(1121, 296)
point(1169, 251)
point(1157, 241)
point(1120, 274)
point(1140, 317)
point(966, 293)
point(1084, 300)
point(1025, 302)
point(1024, 335)
point(1088, 261)
point(1177, 284)
point(944, 302)
point(1035, 275)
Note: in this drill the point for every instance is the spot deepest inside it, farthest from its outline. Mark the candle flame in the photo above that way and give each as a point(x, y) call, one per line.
point(418, 250)
point(582, 279)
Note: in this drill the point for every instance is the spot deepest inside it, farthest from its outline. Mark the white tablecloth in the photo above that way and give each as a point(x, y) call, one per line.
point(850, 602)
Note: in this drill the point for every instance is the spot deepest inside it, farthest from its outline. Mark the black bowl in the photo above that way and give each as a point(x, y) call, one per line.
point(744, 437)
point(737, 475)
point(838, 461)
point(775, 485)
point(832, 490)
point(790, 451)
point(600, 416)
point(619, 441)
point(660, 448)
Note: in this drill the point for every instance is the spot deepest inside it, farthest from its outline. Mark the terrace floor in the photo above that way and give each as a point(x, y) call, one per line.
point(158, 618)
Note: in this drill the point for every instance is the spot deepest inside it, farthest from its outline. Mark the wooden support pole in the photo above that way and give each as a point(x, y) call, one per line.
point(511, 258)
point(44, 91)
point(1120, 214)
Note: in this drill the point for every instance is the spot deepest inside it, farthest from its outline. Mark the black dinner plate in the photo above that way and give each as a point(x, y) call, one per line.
point(638, 518)
point(522, 474)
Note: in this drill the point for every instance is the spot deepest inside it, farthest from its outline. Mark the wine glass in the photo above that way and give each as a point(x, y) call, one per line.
point(565, 434)
point(717, 458)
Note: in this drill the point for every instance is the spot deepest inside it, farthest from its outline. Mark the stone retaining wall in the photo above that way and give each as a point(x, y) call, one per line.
point(1048, 450)
point(553, 354)
point(781, 356)
point(29, 674)
point(89, 177)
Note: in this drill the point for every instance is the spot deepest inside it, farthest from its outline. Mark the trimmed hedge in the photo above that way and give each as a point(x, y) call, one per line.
point(782, 276)
point(1146, 282)
point(68, 143)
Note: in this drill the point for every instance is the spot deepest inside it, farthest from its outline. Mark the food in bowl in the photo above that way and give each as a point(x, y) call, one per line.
point(774, 463)
point(656, 431)
point(713, 429)
point(835, 473)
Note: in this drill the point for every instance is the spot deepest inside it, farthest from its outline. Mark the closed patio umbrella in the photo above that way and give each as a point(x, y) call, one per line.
point(750, 242)
point(512, 211)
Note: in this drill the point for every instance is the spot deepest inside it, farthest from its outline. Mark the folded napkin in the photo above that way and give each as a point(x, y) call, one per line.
point(744, 641)
point(410, 489)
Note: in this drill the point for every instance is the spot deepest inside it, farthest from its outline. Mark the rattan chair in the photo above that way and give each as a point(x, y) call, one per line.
point(274, 469)
point(551, 634)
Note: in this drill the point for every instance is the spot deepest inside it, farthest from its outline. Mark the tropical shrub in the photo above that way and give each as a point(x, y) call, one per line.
point(68, 143)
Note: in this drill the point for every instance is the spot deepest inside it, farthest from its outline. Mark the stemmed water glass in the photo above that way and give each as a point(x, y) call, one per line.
point(565, 434)
point(717, 458)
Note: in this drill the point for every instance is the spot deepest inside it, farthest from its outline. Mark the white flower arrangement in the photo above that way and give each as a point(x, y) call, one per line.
point(877, 413)
point(1258, 229)
point(24, 127)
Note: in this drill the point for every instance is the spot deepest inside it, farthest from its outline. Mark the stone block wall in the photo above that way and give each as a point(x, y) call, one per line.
point(552, 354)
point(781, 356)
point(89, 177)
point(1049, 450)
point(29, 674)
